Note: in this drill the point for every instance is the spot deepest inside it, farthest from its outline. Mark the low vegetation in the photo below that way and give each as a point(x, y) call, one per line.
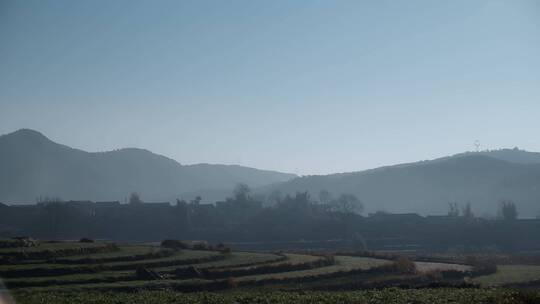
point(82, 268)
point(384, 296)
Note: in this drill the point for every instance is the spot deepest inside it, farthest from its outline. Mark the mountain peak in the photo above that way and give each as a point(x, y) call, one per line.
point(27, 135)
point(32, 165)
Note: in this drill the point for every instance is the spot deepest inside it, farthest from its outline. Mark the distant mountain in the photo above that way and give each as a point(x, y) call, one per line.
point(512, 155)
point(483, 178)
point(31, 165)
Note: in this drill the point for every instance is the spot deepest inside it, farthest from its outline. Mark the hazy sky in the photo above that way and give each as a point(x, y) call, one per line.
point(298, 86)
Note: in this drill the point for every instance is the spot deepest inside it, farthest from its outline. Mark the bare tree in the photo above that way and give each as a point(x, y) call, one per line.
point(467, 211)
point(508, 210)
point(196, 200)
point(135, 198)
point(325, 197)
point(241, 192)
point(347, 203)
point(274, 198)
point(453, 209)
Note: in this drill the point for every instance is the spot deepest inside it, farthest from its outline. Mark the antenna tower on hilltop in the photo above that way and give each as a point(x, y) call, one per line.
point(477, 145)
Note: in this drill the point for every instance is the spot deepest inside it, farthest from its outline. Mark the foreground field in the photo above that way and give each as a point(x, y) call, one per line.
point(510, 274)
point(101, 272)
point(385, 296)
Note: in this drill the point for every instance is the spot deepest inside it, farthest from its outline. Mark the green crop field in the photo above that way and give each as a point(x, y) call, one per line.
point(430, 266)
point(385, 296)
point(108, 273)
point(174, 259)
point(343, 264)
point(235, 259)
point(510, 274)
point(50, 246)
point(123, 252)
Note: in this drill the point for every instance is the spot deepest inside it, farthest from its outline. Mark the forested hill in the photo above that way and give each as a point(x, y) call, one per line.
point(481, 178)
point(31, 165)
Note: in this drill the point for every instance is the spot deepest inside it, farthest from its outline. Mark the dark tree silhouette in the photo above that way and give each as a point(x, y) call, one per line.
point(274, 198)
point(241, 192)
point(135, 198)
point(466, 212)
point(347, 203)
point(453, 209)
point(196, 200)
point(325, 197)
point(508, 210)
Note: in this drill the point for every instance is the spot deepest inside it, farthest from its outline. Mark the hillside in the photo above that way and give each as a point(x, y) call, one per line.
point(32, 166)
point(512, 155)
point(426, 187)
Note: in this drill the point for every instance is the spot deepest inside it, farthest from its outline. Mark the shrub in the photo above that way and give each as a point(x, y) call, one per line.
point(147, 274)
point(404, 265)
point(232, 283)
point(86, 240)
point(435, 275)
point(480, 267)
point(174, 244)
point(222, 248)
point(200, 246)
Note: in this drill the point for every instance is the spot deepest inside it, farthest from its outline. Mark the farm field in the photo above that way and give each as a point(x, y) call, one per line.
point(131, 252)
point(140, 273)
point(432, 266)
point(510, 274)
point(342, 264)
point(391, 295)
point(235, 259)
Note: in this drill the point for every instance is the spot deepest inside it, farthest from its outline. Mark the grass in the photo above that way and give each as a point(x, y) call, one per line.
point(114, 270)
point(510, 274)
point(235, 259)
point(343, 264)
point(384, 296)
point(183, 257)
point(430, 266)
point(277, 260)
point(51, 250)
point(123, 251)
point(116, 286)
point(50, 246)
point(79, 278)
point(239, 258)
point(179, 257)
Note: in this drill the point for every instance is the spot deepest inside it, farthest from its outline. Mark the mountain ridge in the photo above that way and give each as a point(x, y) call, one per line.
point(426, 187)
point(34, 166)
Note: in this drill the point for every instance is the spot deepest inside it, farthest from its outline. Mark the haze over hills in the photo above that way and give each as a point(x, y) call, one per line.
point(482, 178)
point(33, 166)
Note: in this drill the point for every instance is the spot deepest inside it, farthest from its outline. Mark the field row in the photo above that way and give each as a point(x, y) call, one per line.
point(385, 296)
point(125, 267)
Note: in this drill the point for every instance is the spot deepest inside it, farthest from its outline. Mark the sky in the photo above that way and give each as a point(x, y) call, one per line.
point(307, 87)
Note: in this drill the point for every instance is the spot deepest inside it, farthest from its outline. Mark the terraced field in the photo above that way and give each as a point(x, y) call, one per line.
point(52, 268)
point(342, 264)
point(74, 266)
point(510, 274)
point(236, 259)
point(117, 266)
point(127, 252)
point(47, 250)
point(52, 246)
point(430, 266)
